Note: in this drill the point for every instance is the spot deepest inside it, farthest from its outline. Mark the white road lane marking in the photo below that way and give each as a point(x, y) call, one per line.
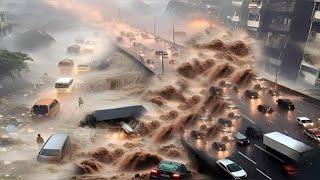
point(247, 158)
point(271, 122)
point(268, 153)
point(299, 111)
point(247, 118)
point(263, 174)
point(243, 103)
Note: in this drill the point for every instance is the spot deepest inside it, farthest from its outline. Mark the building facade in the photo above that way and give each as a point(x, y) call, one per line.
point(5, 26)
point(310, 67)
point(283, 26)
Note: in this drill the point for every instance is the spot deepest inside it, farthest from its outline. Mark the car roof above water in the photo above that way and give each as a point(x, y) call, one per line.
point(238, 135)
point(56, 141)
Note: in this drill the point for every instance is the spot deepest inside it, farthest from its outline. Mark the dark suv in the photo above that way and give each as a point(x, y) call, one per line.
point(264, 108)
point(170, 170)
point(215, 91)
point(286, 104)
point(251, 94)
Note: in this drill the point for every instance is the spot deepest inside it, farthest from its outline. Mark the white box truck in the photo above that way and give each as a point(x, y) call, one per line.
point(285, 145)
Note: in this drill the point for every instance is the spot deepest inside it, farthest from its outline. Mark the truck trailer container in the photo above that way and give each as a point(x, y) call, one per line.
point(285, 145)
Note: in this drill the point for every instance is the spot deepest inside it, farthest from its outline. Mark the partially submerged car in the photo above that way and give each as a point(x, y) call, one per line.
point(170, 170)
point(251, 94)
point(313, 134)
point(273, 92)
point(219, 146)
point(286, 104)
point(54, 148)
point(66, 65)
point(264, 108)
point(196, 134)
point(46, 107)
point(215, 91)
point(225, 122)
point(84, 67)
point(75, 48)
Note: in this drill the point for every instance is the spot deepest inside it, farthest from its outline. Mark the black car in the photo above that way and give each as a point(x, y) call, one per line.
point(170, 170)
point(225, 122)
point(241, 139)
point(286, 104)
point(196, 135)
point(251, 94)
point(215, 91)
point(273, 92)
point(254, 132)
point(265, 108)
point(219, 146)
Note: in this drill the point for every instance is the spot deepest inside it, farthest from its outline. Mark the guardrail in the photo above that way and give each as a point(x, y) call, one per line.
point(293, 92)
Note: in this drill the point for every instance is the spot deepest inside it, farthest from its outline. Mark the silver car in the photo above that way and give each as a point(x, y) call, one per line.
point(55, 148)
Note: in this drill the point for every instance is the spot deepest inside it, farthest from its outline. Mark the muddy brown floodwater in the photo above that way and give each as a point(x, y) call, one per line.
point(175, 102)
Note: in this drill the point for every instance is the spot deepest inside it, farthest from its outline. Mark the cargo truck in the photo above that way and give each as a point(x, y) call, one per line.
point(286, 145)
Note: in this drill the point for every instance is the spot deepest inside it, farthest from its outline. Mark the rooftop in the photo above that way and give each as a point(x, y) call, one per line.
point(45, 101)
point(64, 80)
point(55, 141)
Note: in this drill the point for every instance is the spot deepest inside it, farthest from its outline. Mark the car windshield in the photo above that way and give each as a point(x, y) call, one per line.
point(50, 152)
point(306, 121)
point(61, 85)
point(40, 110)
point(170, 167)
point(233, 167)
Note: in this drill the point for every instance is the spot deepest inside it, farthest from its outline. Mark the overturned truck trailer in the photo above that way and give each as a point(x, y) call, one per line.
point(125, 118)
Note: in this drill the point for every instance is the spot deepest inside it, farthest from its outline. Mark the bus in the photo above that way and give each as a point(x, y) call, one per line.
point(64, 84)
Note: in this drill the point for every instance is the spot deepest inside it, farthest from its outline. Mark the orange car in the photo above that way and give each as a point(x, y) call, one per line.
point(45, 108)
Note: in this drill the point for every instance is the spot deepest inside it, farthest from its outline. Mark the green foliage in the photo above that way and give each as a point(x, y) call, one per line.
point(12, 63)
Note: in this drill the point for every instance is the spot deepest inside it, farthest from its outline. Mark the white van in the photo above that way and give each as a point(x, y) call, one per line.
point(55, 148)
point(64, 85)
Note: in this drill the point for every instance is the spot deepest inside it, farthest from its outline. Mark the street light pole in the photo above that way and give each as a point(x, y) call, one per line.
point(162, 54)
point(154, 25)
point(276, 80)
point(162, 64)
point(173, 35)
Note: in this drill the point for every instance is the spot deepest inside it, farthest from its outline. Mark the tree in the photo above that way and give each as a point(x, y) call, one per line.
point(13, 63)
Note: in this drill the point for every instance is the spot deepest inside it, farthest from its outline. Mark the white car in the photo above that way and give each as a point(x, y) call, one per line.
point(313, 133)
point(304, 121)
point(232, 168)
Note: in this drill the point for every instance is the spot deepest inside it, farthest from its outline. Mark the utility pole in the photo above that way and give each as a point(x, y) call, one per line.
point(276, 80)
point(154, 25)
point(173, 34)
point(119, 14)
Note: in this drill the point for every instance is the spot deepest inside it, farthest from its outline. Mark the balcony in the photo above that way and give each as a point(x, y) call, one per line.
point(253, 23)
point(255, 4)
point(237, 3)
point(275, 40)
point(280, 6)
point(317, 14)
point(235, 18)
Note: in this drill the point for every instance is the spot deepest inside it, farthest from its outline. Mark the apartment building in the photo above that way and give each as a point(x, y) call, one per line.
point(5, 27)
point(310, 67)
point(282, 26)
